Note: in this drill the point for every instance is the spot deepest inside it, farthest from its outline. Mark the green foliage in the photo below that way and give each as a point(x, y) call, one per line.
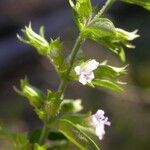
point(49, 110)
point(55, 55)
point(77, 136)
point(107, 71)
point(104, 32)
point(143, 3)
point(56, 136)
point(19, 140)
point(39, 147)
point(35, 40)
point(52, 49)
point(107, 76)
point(107, 84)
point(82, 11)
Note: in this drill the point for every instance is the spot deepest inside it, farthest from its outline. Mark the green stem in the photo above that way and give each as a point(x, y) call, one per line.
point(44, 135)
point(73, 54)
point(104, 9)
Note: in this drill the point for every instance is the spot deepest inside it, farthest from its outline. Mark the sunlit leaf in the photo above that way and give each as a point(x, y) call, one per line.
point(82, 11)
point(77, 136)
point(40, 147)
point(107, 71)
point(107, 84)
point(143, 3)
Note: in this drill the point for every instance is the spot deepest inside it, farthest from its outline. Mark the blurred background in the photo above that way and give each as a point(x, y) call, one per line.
point(128, 111)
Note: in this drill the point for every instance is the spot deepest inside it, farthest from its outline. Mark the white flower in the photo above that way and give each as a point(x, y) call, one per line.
point(85, 72)
point(99, 121)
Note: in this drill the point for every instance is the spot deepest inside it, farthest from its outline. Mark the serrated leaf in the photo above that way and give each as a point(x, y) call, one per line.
point(143, 3)
point(77, 136)
point(55, 53)
point(103, 24)
point(107, 84)
point(51, 106)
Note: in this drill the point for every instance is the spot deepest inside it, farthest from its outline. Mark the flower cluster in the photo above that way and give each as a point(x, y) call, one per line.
point(85, 72)
point(98, 121)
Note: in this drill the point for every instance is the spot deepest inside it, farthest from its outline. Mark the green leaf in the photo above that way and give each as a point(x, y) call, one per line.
point(103, 24)
point(52, 105)
point(4, 132)
point(77, 118)
point(56, 136)
point(77, 136)
point(34, 138)
point(40, 147)
point(82, 11)
point(107, 84)
point(104, 32)
point(55, 53)
point(22, 142)
point(107, 71)
point(143, 3)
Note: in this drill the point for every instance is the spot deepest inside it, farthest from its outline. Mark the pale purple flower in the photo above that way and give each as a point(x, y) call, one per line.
point(85, 72)
point(98, 121)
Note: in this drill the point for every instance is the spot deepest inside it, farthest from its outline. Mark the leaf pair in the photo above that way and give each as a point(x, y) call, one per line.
point(103, 31)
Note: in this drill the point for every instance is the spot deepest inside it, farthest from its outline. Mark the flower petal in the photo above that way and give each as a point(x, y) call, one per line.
point(100, 131)
point(92, 65)
point(77, 70)
point(82, 79)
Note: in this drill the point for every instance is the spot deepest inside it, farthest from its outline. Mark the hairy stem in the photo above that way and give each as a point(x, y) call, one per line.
point(104, 9)
point(73, 54)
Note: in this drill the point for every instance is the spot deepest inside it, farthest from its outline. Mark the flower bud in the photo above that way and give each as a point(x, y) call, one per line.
point(34, 95)
point(35, 40)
